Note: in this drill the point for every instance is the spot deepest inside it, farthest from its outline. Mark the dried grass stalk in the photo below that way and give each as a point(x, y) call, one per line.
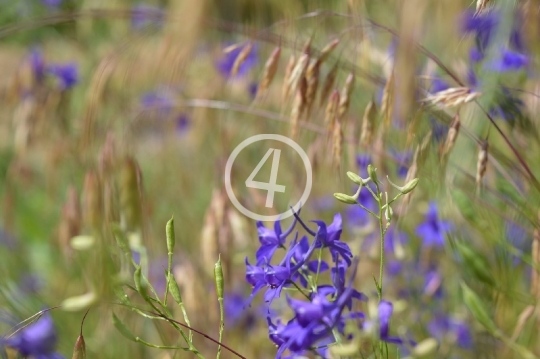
point(327, 50)
point(298, 73)
point(452, 97)
point(345, 98)
point(522, 320)
point(328, 84)
point(131, 195)
point(288, 72)
point(242, 56)
point(481, 164)
point(312, 78)
point(387, 102)
point(452, 135)
point(368, 124)
point(481, 6)
point(298, 108)
point(270, 68)
point(337, 142)
point(331, 111)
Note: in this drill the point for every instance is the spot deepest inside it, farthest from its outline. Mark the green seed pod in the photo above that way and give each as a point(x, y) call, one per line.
point(170, 235)
point(409, 186)
point(477, 308)
point(372, 171)
point(173, 288)
point(79, 352)
point(355, 178)
point(218, 278)
point(345, 198)
point(140, 283)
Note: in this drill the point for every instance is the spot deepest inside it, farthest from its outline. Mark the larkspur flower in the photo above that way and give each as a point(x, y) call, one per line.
point(433, 229)
point(329, 237)
point(37, 340)
point(312, 266)
point(385, 314)
point(66, 74)
point(275, 277)
point(37, 63)
point(271, 240)
point(225, 64)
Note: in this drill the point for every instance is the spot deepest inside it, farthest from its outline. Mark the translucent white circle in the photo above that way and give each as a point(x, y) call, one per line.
point(262, 137)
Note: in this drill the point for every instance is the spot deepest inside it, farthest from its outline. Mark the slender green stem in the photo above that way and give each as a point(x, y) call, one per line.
point(381, 232)
point(169, 270)
point(318, 267)
point(221, 325)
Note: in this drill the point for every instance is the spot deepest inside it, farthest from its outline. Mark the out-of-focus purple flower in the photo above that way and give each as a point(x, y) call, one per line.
point(385, 314)
point(38, 340)
point(67, 74)
point(442, 325)
point(439, 131)
point(432, 230)
point(509, 61)
point(481, 25)
point(226, 63)
point(237, 314)
point(37, 62)
point(518, 237)
point(161, 101)
point(182, 123)
point(438, 85)
point(143, 16)
point(7, 240)
point(403, 160)
point(329, 237)
point(324, 203)
point(362, 161)
point(30, 283)
point(252, 89)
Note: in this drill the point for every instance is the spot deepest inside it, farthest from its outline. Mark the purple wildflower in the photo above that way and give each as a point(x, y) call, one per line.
point(509, 61)
point(441, 326)
point(385, 314)
point(225, 64)
point(37, 63)
point(67, 74)
point(432, 230)
point(36, 340)
point(271, 240)
point(52, 3)
point(329, 237)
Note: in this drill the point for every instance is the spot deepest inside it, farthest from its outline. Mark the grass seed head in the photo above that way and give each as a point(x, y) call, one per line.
point(270, 69)
point(288, 73)
point(452, 97)
point(327, 50)
point(481, 164)
point(328, 84)
point(368, 124)
point(241, 58)
point(452, 135)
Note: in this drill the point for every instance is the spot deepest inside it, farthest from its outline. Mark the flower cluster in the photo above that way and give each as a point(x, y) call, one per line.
point(321, 311)
point(65, 75)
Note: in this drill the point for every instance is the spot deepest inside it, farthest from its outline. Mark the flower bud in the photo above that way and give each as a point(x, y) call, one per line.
point(345, 198)
point(80, 302)
point(355, 178)
point(372, 171)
